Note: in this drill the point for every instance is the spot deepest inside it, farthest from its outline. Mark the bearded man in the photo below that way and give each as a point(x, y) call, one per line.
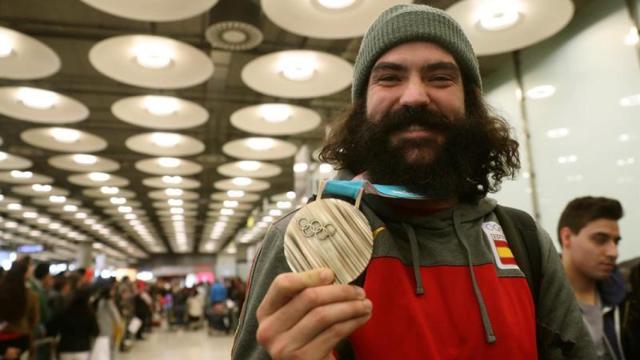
point(453, 275)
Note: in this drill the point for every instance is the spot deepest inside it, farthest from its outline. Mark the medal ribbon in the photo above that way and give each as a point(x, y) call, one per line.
point(350, 189)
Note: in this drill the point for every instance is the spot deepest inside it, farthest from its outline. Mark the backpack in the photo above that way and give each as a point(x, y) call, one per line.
point(521, 232)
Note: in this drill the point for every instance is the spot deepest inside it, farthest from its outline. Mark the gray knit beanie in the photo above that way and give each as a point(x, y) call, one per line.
point(413, 22)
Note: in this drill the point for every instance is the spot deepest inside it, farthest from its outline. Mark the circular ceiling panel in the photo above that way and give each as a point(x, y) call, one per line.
point(98, 179)
point(83, 163)
point(107, 192)
point(495, 27)
point(153, 10)
point(275, 119)
point(245, 184)
point(326, 19)
point(239, 207)
point(24, 58)
point(13, 162)
point(24, 177)
point(164, 144)
point(166, 205)
point(240, 196)
point(298, 74)
point(175, 194)
point(39, 190)
point(177, 182)
point(168, 166)
point(259, 148)
point(63, 139)
point(151, 61)
point(249, 168)
point(160, 112)
point(40, 106)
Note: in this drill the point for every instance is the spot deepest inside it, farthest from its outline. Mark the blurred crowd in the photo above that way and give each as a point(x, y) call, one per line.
point(73, 316)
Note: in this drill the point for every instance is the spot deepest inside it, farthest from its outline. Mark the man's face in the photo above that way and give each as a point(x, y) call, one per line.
point(417, 75)
point(594, 249)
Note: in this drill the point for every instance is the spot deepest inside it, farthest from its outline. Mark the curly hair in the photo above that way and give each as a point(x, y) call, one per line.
point(484, 170)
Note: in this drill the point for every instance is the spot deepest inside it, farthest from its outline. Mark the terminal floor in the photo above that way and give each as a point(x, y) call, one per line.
point(163, 344)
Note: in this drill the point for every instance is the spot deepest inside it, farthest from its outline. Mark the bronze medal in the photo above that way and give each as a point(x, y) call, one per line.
point(329, 233)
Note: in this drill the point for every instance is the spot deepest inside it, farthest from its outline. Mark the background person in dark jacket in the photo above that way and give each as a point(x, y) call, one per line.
point(589, 234)
point(18, 311)
point(77, 327)
point(631, 317)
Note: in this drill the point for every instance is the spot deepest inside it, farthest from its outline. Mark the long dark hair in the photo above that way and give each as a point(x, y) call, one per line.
point(13, 292)
point(485, 172)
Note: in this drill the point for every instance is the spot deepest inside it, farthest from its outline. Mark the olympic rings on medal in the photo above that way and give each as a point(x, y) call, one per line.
point(314, 228)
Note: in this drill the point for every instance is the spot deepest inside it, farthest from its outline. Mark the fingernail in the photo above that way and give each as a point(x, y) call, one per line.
point(360, 292)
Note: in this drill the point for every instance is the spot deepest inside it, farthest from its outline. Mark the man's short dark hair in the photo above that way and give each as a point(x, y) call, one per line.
point(583, 210)
point(41, 271)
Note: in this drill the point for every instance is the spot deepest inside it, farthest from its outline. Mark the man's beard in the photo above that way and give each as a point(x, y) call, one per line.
point(445, 173)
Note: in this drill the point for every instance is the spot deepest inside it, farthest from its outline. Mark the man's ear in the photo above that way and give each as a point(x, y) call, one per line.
point(565, 237)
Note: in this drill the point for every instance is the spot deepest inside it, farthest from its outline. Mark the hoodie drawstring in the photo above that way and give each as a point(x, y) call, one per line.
point(486, 320)
point(415, 258)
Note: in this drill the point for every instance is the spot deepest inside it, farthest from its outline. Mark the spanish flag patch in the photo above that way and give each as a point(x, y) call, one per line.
point(499, 245)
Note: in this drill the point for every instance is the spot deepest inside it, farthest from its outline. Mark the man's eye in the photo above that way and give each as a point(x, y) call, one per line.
point(441, 78)
point(388, 78)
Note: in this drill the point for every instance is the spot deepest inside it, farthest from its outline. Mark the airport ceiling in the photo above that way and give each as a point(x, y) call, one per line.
point(104, 92)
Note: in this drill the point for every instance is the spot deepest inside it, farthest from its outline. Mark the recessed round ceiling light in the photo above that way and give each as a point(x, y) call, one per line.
point(37, 98)
point(249, 165)
point(70, 208)
point(125, 209)
point(161, 105)
point(57, 199)
point(21, 174)
point(169, 162)
point(283, 204)
point(41, 188)
point(297, 67)
point(153, 56)
point(84, 159)
point(498, 15)
point(65, 135)
point(234, 36)
point(540, 92)
point(325, 168)
point(235, 193)
point(241, 181)
point(118, 200)
point(173, 192)
point(291, 195)
point(230, 204)
point(6, 48)
point(336, 4)
point(275, 113)
point(632, 37)
point(275, 212)
point(3, 156)
point(164, 139)
point(175, 202)
point(300, 167)
point(172, 179)
point(99, 176)
point(109, 190)
point(631, 100)
point(226, 212)
point(260, 143)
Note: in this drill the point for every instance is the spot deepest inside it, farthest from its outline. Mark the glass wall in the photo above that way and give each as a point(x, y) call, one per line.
point(582, 106)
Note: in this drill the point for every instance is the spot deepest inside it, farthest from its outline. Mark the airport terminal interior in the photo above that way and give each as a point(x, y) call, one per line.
point(147, 145)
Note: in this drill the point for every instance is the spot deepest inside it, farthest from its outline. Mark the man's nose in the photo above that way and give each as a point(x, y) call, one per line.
point(612, 249)
point(415, 93)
